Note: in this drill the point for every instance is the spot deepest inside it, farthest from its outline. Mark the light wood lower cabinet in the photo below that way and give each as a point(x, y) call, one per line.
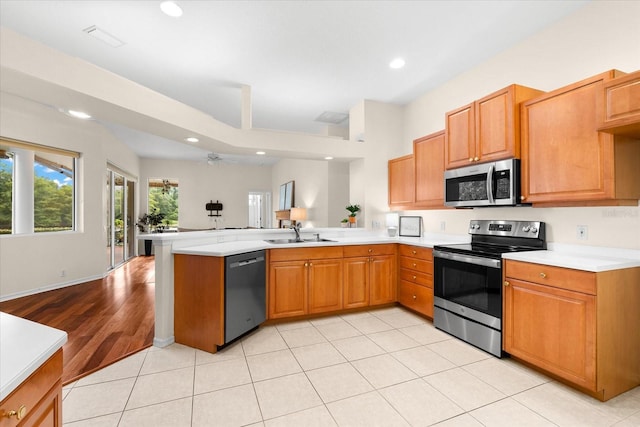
point(199, 301)
point(38, 400)
point(577, 325)
point(370, 272)
point(415, 280)
point(304, 281)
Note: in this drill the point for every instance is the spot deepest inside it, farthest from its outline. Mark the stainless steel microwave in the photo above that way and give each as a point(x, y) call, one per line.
point(486, 184)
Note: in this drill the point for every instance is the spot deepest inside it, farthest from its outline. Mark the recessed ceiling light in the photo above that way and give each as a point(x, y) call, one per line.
point(171, 8)
point(397, 63)
point(260, 153)
point(328, 158)
point(79, 114)
point(192, 139)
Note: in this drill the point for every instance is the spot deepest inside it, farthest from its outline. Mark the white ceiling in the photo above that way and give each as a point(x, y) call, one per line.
point(300, 58)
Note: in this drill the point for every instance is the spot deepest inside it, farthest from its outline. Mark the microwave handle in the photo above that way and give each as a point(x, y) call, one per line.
point(490, 184)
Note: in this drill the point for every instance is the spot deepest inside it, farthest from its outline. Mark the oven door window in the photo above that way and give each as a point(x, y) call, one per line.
point(474, 286)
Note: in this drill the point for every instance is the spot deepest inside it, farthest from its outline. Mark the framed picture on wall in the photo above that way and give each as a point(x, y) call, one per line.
point(283, 192)
point(410, 226)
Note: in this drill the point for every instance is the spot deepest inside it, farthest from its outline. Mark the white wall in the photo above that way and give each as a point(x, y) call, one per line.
point(199, 183)
point(33, 262)
point(320, 186)
point(599, 37)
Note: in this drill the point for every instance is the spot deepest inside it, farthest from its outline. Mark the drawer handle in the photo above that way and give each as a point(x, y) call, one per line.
point(19, 414)
point(543, 275)
point(506, 283)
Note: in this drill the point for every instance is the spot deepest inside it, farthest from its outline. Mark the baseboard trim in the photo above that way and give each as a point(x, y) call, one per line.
point(51, 287)
point(165, 342)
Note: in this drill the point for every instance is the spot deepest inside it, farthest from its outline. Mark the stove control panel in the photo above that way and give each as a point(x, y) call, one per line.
point(525, 229)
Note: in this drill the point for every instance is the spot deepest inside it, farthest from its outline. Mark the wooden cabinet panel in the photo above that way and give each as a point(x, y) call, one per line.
point(428, 153)
point(620, 105)
point(565, 160)
point(287, 289)
point(487, 129)
point(460, 137)
point(356, 282)
point(369, 250)
point(417, 277)
point(416, 264)
point(40, 394)
point(301, 254)
point(416, 252)
point(553, 328)
point(382, 278)
point(325, 285)
point(401, 178)
point(416, 297)
point(572, 280)
point(199, 301)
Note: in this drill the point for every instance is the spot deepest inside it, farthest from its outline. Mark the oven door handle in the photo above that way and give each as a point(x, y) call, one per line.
point(470, 259)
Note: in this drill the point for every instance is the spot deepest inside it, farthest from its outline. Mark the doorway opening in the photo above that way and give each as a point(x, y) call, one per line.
point(259, 209)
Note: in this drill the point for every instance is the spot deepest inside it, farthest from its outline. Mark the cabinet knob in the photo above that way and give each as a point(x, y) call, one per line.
point(415, 265)
point(370, 250)
point(19, 414)
point(522, 197)
point(414, 252)
point(475, 159)
point(471, 159)
point(306, 264)
point(543, 275)
point(414, 277)
point(506, 283)
point(414, 297)
point(310, 264)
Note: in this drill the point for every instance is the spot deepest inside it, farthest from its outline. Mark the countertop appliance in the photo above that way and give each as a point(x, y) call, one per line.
point(486, 184)
point(245, 303)
point(468, 279)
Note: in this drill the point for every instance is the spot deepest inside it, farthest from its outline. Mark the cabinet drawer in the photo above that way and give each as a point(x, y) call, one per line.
point(366, 250)
point(32, 390)
point(293, 254)
point(558, 277)
point(416, 264)
point(416, 277)
point(416, 297)
point(416, 252)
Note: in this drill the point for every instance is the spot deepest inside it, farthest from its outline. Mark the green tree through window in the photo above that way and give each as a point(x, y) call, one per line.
point(163, 196)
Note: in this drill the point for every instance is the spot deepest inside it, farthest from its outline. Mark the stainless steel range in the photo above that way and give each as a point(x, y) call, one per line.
point(468, 279)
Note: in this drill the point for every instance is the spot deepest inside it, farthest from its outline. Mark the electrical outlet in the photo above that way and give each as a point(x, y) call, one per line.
point(63, 273)
point(582, 232)
point(443, 225)
point(375, 224)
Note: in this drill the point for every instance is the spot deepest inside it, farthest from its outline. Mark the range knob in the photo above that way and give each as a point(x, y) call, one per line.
point(526, 228)
point(475, 226)
point(534, 230)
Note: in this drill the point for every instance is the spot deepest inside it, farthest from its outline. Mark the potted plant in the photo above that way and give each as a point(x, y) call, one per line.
point(344, 223)
point(353, 210)
point(149, 223)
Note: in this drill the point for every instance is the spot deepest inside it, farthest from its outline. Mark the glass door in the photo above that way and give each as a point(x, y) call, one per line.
point(120, 213)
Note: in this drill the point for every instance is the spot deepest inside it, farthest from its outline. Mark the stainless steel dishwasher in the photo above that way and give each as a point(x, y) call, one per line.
point(245, 293)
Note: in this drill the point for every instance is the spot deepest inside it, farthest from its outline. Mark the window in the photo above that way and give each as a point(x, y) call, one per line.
point(6, 191)
point(37, 188)
point(163, 198)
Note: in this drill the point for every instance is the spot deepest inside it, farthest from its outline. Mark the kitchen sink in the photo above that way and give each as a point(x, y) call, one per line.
point(286, 241)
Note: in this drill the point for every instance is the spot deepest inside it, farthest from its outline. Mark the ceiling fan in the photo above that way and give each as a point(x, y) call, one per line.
point(215, 158)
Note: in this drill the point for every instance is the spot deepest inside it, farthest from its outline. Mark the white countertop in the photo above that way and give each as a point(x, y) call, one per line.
point(24, 347)
point(240, 246)
point(586, 258)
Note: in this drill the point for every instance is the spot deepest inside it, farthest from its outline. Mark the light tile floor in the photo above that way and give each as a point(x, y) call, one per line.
point(384, 367)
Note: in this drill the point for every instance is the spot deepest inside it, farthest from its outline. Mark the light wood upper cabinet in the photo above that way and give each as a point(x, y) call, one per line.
point(401, 178)
point(487, 129)
point(428, 154)
point(620, 105)
point(581, 326)
point(565, 160)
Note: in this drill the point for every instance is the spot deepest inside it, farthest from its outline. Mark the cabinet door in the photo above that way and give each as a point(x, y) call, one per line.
point(401, 181)
point(416, 297)
point(460, 140)
point(325, 285)
point(356, 282)
point(287, 289)
point(620, 112)
point(382, 279)
point(564, 157)
point(495, 135)
point(428, 155)
point(552, 328)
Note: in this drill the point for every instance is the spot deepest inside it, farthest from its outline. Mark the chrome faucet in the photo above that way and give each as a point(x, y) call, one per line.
point(296, 228)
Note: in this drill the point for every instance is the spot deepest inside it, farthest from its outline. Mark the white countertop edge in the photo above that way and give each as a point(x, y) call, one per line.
point(580, 260)
point(24, 347)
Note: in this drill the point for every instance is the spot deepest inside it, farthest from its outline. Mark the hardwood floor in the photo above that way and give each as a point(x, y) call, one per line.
point(106, 320)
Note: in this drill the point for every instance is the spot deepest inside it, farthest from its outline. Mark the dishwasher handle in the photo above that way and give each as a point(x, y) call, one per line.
point(246, 262)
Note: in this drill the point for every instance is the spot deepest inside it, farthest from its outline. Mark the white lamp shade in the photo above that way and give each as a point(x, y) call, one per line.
point(298, 214)
point(392, 219)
